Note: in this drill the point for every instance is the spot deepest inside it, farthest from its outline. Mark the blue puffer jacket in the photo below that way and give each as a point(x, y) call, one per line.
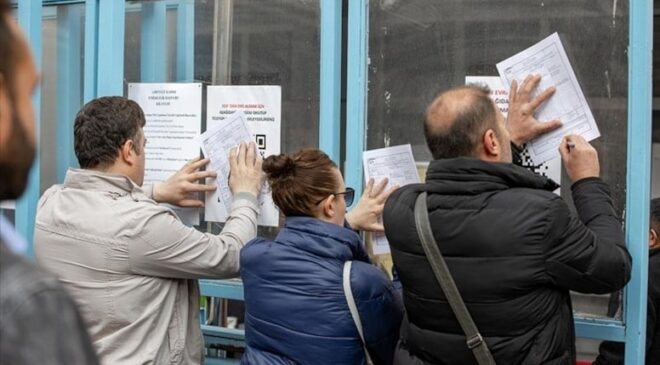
point(296, 312)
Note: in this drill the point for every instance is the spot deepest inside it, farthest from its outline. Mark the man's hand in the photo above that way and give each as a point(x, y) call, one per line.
point(522, 125)
point(580, 158)
point(245, 169)
point(177, 189)
point(366, 214)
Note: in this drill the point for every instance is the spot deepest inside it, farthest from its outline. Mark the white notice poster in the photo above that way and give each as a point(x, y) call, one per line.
point(261, 108)
point(548, 59)
point(500, 95)
point(498, 92)
point(174, 115)
point(398, 165)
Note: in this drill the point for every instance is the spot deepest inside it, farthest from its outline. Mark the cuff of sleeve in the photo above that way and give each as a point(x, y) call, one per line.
point(148, 190)
point(245, 199)
point(586, 180)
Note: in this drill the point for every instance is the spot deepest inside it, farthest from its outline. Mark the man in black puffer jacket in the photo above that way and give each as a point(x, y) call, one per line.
point(513, 247)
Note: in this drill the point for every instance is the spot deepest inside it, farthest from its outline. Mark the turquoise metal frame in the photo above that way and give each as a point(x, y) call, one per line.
point(356, 91)
point(638, 180)
point(29, 18)
point(103, 75)
point(330, 93)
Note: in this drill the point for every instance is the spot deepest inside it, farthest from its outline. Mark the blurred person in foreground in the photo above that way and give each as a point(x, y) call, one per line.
point(39, 322)
point(130, 263)
point(613, 353)
point(514, 248)
point(296, 309)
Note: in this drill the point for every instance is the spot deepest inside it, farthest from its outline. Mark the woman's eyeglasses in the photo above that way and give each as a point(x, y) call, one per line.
point(349, 195)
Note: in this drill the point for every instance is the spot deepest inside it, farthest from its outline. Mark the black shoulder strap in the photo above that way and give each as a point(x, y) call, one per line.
point(474, 340)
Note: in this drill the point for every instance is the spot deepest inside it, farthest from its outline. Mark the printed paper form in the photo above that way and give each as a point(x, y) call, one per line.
point(568, 104)
point(216, 143)
point(398, 165)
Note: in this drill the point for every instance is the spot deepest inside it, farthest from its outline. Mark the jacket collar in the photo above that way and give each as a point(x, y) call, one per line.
point(472, 176)
point(92, 180)
point(322, 239)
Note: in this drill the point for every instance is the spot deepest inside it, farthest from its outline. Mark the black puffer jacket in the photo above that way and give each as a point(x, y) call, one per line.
point(514, 249)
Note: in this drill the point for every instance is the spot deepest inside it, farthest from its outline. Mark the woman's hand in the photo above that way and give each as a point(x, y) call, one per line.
point(366, 216)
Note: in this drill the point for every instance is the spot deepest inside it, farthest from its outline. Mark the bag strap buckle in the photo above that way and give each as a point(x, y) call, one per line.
point(474, 341)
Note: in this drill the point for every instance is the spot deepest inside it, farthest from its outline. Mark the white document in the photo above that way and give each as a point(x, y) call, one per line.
point(568, 104)
point(173, 114)
point(216, 143)
point(398, 165)
point(500, 95)
point(260, 109)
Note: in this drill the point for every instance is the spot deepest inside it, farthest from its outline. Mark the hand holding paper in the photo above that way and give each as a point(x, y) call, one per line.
point(245, 169)
point(548, 59)
point(522, 124)
point(179, 189)
point(366, 216)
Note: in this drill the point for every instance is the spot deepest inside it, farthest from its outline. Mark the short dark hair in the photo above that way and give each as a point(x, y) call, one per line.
point(463, 135)
point(655, 214)
point(102, 126)
point(8, 50)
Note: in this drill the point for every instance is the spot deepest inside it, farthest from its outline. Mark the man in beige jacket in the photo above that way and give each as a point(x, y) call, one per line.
point(130, 263)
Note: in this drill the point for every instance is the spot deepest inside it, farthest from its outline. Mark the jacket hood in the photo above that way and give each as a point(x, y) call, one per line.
point(329, 240)
point(465, 175)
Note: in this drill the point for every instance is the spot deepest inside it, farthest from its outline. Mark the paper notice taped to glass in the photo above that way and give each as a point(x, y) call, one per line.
point(568, 104)
point(216, 144)
point(397, 164)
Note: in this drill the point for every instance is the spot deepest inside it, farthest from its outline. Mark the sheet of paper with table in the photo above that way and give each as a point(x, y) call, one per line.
point(398, 165)
point(568, 104)
point(216, 144)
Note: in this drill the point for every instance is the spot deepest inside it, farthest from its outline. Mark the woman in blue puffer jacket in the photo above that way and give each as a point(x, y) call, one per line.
point(296, 310)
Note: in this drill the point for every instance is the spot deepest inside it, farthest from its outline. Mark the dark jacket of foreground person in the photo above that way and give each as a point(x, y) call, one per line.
point(514, 249)
point(613, 353)
point(296, 312)
point(39, 323)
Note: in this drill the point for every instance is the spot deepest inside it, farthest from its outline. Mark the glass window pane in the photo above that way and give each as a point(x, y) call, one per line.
point(248, 42)
point(61, 88)
point(420, 47)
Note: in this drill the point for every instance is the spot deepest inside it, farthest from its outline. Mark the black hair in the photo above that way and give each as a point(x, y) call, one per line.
point(102, 126)
point(655, 214)
point(463, 134)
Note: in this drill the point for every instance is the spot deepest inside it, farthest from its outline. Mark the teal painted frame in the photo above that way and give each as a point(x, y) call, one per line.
point(153, 48)
point(29, 18)
point(356, 91)
point(638, 190)
point(330, 83)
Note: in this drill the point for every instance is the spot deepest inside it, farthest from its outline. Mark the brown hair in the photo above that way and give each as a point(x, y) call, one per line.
point(300, 180)
point(9, 51)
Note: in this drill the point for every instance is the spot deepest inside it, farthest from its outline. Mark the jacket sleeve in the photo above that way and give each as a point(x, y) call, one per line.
point(166, 247)
point(588, 254)
point(380, 308)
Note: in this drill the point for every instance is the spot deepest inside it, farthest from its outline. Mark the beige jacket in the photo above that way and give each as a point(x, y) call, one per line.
point(132, 266)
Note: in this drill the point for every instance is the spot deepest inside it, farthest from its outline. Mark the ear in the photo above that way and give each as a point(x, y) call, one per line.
point(127, 152)
point(653, 239)
point(328, 206)
point(491, 145)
